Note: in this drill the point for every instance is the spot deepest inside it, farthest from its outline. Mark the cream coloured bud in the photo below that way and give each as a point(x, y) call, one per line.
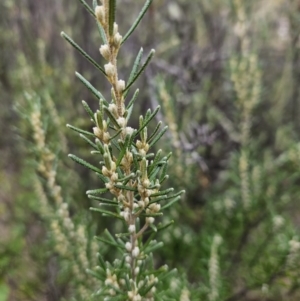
point(128, 246)
point(128, 259)
point(146, 183)
point(116, 28)
point(113, 109)
point(97, 132)
point(129, 130)
point(120, 85)
point(110, 69)
point(131, 228)
point(113, 166)
point(100, 14)
point(141, 204)
point(135, 252)
point(105, 51)
point(142, 152)
point(106, 137)
point(109, 185)
point(121, 121)
point(150, 220)
point(114, 177)
point(139, 144)
point(117, 40)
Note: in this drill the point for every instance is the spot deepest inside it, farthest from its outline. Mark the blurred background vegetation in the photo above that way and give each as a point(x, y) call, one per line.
point(227, 75)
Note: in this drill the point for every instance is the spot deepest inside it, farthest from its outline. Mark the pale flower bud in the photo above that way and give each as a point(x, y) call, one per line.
point(120, 85)
point(105, 171)
point(121, 121)
point(150, 220)
point(129, 130)
point(110, 69)
point(113, 109)
point(117, 39)
point(128, 246)
point(116, 28)
point(100, 14)
point(131, 228)
point(105, 52)
point(135, 252)
point(97, 132)
point(106, 137)
point(114, 177)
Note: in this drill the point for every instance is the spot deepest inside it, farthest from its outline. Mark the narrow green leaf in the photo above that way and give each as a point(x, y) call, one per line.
point(158, 199)
point(127, 178)
point(102, 32)
point(102, 178)
point(175, 195)
point(101, 261)
point(129, 188)
point(104, 200)
point(115, 144)
point(87, 7)
point(92, 144)
point(130, 105)
point(111, 117)
point(171, 203)
point(164, 178)
point(78, 48)
point(91, 88)
point(100, 146)
point(158, 136)
point(135, 68)
point(110, 237)
point(137, 21)
point(153, 247)
point(146, 121)
point(163, 173)
point(114, 244)
point(155, 131)
point(166, 274)
point(115, 135)
point(163, 192)
point(165, 226)
point(97, 191)
point(136, 76)
point(84, 163)
point(123, 150)
point(155, 161)
point(74, 128)
point(111, 16)
point(99, 276)
point(88, 109)
point(154, 173)
point(144, 290)
point(106, 212)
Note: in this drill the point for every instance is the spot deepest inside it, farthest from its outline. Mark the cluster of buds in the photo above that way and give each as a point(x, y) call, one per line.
point(135, 251)
point(143, 147)
point(100, 131)
point(150, 280)
point(114, 39)
point(109, 171)
point(112, 281)
point(134, 296)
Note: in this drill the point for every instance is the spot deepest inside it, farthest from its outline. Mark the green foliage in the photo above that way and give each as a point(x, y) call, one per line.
point(226, 81)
